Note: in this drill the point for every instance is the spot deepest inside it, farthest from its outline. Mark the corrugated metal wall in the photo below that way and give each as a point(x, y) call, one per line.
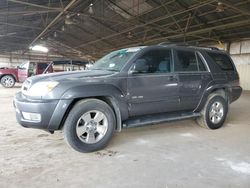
point(7, 61)
point(13, 60)
point(244, 72)
point(240, 53)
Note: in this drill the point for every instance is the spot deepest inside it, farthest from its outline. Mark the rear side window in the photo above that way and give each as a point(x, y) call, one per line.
point(222, 60)
point(188, 61)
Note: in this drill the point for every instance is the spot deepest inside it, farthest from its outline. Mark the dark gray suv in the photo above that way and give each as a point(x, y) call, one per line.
point(131, 87)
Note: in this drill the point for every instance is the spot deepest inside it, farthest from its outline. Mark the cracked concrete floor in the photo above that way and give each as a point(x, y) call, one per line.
point(170, 155)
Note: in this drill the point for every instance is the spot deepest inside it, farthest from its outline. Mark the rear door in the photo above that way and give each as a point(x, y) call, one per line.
point(154, 90)
point(193, 76)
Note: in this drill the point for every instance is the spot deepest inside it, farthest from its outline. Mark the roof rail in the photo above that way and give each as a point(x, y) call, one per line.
point(187, 45)
point(174, 44)
point(211, 47)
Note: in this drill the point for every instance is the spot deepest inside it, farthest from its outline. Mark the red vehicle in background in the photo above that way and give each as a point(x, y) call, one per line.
point(9, 76)
point(66, 65)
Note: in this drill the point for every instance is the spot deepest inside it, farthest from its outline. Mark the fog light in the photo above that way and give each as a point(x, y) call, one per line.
point(31, 116)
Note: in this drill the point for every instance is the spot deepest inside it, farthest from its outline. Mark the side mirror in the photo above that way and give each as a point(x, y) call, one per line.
point(140, 66)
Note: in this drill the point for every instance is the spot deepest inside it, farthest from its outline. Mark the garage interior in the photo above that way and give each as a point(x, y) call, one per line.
point(176, 154)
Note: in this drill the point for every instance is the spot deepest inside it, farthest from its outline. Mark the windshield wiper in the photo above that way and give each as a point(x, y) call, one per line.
point(95, 69)
point(115, 70)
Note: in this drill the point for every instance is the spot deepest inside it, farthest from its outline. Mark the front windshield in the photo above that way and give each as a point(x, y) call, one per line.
point(115, 60)
point(24, 66)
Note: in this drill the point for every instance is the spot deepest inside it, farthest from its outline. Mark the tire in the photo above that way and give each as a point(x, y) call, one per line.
point(214, 113)
point(8, 81)
point(89, 126)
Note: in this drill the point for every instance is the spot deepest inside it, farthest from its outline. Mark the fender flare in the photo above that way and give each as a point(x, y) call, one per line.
point(225, 87)
point(106, 92)
point(115, 106)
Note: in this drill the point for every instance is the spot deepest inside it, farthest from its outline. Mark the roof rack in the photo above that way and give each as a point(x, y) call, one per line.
point(174, 44)
point(187, 45)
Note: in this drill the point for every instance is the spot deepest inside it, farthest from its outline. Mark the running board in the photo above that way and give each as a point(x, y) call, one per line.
point(156, 119)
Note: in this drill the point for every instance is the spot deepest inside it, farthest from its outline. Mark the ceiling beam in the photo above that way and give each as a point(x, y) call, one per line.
point(72, 2)
point(173, 18)
point(150, 22)
point(63, 45)
point(232, 6)
point(154, 9)
point(35, 5)
point(138, 20)
point(190, 33)
point(19, 25)
point(28, 12)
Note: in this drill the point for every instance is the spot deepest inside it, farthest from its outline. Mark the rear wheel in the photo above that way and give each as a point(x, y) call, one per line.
point(8, 81)
point(214, 112)
point(89, 125)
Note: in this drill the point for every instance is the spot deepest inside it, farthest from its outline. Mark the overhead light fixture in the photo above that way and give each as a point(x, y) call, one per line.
point(55, 34)
point(129, 35)
point(63, 28)
point(39, 48)
point(220, 7)
point(91, 11)
point(68, 20)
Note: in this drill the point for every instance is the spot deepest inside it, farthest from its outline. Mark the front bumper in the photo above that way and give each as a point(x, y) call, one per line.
point(51, 112)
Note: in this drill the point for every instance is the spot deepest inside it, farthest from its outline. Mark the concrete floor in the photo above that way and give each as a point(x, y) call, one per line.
point(179, 154)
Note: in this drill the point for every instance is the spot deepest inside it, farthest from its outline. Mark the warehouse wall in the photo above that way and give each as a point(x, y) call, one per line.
point(9, 61)
point(240, 53)
point(14, 59)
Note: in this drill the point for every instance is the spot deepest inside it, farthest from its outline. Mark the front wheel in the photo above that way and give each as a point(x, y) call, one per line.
point(214, 112)
point(8, 81)
point(89, 125)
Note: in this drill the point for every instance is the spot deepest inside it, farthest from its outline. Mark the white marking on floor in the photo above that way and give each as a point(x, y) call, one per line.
point(220, 159)
point(141, 141)
point(241, 167)
point(187, 135)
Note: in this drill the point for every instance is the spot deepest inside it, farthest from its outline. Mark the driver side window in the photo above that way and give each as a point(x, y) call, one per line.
point(24, 66)
point(154, 62)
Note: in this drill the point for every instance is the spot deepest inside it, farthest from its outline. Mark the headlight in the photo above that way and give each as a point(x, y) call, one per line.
point(41, 88)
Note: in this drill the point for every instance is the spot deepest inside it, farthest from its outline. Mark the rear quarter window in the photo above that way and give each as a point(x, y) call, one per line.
point(222, 60)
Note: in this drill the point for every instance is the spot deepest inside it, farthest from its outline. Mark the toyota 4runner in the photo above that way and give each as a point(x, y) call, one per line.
point(128, 88)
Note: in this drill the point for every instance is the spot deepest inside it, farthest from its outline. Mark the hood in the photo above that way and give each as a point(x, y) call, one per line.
point(71, 76)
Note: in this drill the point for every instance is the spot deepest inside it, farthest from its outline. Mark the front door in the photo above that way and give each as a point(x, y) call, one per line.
point(23, 72)
point(152, 86)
